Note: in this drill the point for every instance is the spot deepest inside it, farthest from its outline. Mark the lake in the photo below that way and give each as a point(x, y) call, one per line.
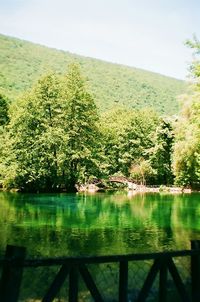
point(98, 224)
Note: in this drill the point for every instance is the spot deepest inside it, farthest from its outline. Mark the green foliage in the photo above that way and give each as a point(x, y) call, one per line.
point(187, 147)
point(113, 129)
point(141, 170)
point(36, 133)
point(138, 144)
point(4, 116)
point(138, 138)
point(161, 153)
point(128, 135)
point(50, 134)
point(51, 138)
point(22, 63)
point(195, 65)
point(4, 120)
point(81, 128)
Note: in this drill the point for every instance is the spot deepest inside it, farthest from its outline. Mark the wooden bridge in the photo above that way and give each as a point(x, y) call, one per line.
point(163, 265)
point(93, 184)
point(121, 179)
point(131, 183)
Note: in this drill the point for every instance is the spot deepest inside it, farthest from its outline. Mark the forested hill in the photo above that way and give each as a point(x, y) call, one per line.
point(22, 62)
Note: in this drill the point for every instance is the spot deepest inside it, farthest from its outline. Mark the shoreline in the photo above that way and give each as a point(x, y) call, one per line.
point(137, 189)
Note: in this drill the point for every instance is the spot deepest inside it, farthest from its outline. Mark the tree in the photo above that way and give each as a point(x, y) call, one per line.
point(81, 128)
point(187, 147)
point(195, 65)
point(36, 137)
point(4, 120)
point(138, 138)
point(4, 117)
point(51, 142)
point(141, 171)
point(161, 153)
point(127, 138)
point(113, 126)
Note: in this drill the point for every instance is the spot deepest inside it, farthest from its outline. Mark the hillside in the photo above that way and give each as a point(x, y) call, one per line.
point(22, 62)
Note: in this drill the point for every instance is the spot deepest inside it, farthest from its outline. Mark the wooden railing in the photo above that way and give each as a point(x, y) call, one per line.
point(72, 267)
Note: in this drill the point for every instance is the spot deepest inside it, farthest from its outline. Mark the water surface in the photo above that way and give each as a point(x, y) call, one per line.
point(98, 224)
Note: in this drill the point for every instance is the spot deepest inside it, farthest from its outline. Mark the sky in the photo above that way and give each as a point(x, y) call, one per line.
point(147, 34)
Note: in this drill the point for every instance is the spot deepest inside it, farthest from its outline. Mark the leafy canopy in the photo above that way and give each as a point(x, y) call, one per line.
point(51, 134)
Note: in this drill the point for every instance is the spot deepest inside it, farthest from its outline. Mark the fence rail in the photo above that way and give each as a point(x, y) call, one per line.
point(163, 266)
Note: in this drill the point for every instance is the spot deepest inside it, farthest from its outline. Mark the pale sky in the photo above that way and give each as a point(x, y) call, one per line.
point(147, 34)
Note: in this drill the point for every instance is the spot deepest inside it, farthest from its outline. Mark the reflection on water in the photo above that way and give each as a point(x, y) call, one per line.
point(103, 223)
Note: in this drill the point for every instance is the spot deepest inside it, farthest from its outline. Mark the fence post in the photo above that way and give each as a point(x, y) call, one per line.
point(12, 273)
point(163, 281)
point(123, 281)
point(195, 271)
point(73, 283)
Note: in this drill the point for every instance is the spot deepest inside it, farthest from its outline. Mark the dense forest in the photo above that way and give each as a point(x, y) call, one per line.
point(22, 63)
point(54, 137)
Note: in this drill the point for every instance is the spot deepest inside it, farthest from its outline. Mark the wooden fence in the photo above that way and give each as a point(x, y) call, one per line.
point(15, 261)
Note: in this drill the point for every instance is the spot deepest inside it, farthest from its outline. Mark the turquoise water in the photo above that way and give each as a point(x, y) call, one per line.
point(98, 224)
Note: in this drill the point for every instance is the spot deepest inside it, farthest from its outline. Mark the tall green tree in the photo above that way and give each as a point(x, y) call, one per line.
point(161, 153)
point(36, 137)
point(128, 138)
point(187, 146)
point(4, 107)
point(138, 138)
point(195, 65)
point(81, 128)
point(52, 137)
point(113, 126)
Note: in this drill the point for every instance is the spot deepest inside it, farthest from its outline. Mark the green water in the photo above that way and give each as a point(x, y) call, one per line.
point(98, 224)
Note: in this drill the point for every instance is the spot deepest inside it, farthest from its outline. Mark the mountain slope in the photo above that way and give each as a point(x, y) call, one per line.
point(22, 62)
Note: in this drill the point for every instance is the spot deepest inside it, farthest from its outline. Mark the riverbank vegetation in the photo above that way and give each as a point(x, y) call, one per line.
point(54, 137)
